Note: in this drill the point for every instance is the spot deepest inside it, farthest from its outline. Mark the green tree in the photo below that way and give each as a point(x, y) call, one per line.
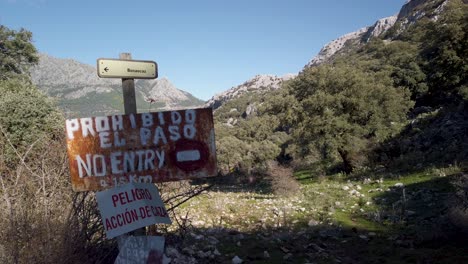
point(231, 152)
point(27, 117)
point(445, 52)
point(343, 110)
point(17, 53)
point(397, 59)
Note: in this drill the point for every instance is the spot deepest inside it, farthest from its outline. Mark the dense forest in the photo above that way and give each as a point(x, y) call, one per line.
point(397, 101)
point(394, 105)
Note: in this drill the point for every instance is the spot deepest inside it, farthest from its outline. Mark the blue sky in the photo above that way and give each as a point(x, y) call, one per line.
point(202, 46)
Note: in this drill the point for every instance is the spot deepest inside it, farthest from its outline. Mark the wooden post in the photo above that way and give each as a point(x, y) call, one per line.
point(128, 89)
point(130, 107)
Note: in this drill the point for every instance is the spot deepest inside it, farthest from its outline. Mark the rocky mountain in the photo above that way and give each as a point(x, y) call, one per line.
point(411, 11)
point(362, 35)
point(80, 92)
point(258, 84)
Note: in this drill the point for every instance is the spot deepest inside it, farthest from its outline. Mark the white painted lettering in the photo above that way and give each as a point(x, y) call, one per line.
point(72, 126)
point(102, 123)
point(174, 133)
point(159, 135)
point(189, 131)
point(145, 134)
point(84, 165)
point(115, 162)
point(161, 118)
point(118, 142)
point(145, 179)
point(176, 118)
point(87, 126)
point(160, 155)
point(147, 119)
point(132, 178)
point(149, 160)
point(129, 161)
point(132, 121)
point(99, 159)
point(190, 116)
point(104, 140)
point(117, 122)
point(103, 183)
point(122, 180)
point(140, 154)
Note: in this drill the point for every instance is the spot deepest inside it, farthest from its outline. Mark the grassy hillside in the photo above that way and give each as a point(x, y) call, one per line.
point(374, 218)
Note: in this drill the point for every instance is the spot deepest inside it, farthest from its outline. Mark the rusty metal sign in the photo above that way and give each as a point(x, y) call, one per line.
point(110, 151)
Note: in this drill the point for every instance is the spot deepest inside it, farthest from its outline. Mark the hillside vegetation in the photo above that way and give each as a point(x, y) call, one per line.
point(361, 159)
point(396, 101)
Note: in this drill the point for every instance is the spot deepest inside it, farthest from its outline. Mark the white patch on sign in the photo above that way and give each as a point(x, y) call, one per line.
point(188, 155)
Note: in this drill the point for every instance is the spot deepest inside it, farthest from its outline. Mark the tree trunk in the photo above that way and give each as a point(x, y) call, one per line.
point(347, 161)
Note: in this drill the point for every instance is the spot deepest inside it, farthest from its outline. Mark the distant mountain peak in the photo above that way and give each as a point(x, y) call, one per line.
point(410, 12)
point(334, 46)
point(258, 83)
point(81, 92)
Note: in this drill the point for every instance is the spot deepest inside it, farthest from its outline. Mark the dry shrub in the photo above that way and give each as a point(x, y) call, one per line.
point(282, 180)
point(35, 198)
point(43, 221)
point(83, 238)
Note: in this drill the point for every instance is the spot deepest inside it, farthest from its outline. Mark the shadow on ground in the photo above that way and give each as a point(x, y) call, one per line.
point(415, 224)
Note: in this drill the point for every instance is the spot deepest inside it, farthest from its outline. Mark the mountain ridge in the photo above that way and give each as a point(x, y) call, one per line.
point(410, 12)
point(80, 92)
point(259, 83)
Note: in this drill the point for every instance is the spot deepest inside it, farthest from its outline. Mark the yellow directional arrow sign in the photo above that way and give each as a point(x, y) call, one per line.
point(127, 69)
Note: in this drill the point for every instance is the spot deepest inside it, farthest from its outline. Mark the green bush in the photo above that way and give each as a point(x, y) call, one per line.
point(27, 117)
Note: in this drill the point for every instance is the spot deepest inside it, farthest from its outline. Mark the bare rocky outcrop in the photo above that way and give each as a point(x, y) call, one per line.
point(412, 11)
point(259, 83)
point(334, 46)
point(380, 27)
point(361, 36)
